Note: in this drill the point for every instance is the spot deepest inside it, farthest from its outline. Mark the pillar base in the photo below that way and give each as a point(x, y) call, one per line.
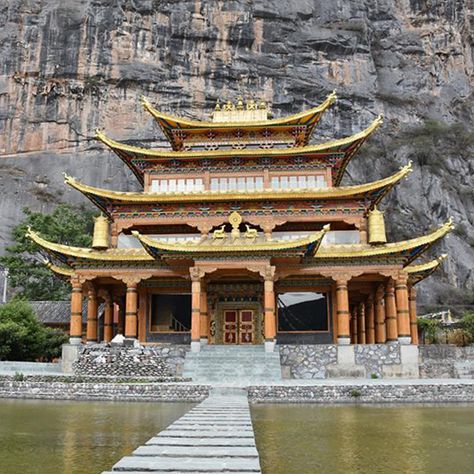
point(270, 346)
point(405, 340)
point(343, 341)
point(395, 341)
point(70, 353)
point(203, 341)
point(74, 341)
point(91, 342)
point(195, 346)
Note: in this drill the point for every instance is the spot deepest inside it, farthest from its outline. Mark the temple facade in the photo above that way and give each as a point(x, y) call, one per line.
point(243, 234)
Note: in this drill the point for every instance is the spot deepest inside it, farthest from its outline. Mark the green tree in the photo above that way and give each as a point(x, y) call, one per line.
point(23, 337)
point(29, 276)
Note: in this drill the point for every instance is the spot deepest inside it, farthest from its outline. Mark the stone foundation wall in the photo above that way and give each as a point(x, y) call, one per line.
point(446, 361)
point(376, 392)
point(122, 361)
point(104, 391)
point(323, 361)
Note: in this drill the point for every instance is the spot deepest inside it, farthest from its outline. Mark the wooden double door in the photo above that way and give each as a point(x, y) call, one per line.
point(239, 326)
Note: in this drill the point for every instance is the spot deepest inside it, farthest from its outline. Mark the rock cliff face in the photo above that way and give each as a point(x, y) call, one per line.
point(68, 66)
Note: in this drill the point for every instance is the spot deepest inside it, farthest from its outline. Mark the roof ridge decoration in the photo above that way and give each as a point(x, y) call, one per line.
point(409, 249)
point(377, 188)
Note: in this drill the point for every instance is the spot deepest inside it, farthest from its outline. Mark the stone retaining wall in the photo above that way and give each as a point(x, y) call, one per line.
point(321, 361)
point(143, 361)
point(360, 393)
point(143, 392)
point(40, 377)
point(446, 361)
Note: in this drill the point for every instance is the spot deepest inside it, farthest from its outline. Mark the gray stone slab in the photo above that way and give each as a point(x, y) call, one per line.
point(190, 422)
point(197, 451)
point(181, 441)
point(210, 427)
point(187, 464)
point(208, 433)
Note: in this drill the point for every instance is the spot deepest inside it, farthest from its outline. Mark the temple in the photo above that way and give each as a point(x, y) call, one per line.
point(243, 234)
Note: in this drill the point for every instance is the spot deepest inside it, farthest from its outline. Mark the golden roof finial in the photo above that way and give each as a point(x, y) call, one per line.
point(251, 105)
point(240, 103)
point(217, 108)
point(262, 105)
point(228, 106)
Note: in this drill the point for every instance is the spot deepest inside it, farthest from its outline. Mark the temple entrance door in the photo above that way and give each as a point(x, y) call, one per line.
point(231, 318)
point(238, 326)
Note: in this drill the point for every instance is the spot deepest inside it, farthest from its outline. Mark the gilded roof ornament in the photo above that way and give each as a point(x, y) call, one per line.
point(240, 104)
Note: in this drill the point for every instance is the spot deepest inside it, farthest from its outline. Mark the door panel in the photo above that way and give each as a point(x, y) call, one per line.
point(246, 327)
point(230, 326)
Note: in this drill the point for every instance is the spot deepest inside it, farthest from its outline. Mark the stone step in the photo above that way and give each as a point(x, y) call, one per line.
point(161, 440)
point(187, 464)
point(197, 451)
point(208, 434)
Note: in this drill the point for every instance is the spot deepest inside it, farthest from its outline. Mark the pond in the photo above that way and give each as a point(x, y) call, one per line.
point(365, 439)
point(53, 437)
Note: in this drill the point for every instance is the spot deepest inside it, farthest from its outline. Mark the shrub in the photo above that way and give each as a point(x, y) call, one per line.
point(18, 377)
point(429, 329)
point(467, 323)
point(373, 375)
point(458, 337)
point(356, 393)
point(23, 337)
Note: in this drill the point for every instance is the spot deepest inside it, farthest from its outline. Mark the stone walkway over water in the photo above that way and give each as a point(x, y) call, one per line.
point(215, 437)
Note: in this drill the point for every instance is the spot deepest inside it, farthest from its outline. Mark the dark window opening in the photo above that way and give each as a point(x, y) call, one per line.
point(302, 311)
point(170, 313)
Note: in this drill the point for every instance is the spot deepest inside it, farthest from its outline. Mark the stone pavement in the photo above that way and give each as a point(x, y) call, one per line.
point(216, 437)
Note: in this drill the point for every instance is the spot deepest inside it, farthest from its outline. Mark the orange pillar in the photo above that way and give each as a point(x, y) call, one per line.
point(270, 319)
point(75, 329)
point(204, 321)
point(390, 312)
point(108, 318)
point(403, 314)
point(413, 322)
point(380, 333)
point(195, 313)
point(369, 320)
point(92, 315)
point(343, 317)
point(354, 338)
point(131, 311)
point(360, 311)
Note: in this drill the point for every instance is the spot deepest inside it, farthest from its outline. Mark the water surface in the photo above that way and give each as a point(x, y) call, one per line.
point(429, 439)
point(55, 437)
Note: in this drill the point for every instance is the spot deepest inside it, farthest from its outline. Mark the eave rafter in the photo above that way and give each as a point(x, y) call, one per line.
point(407, 251)
point(417, 273)
point(338, 152)
point(169, 123)
point(369, 192)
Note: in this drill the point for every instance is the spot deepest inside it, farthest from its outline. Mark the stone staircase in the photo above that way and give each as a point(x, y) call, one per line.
point(234, 365)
